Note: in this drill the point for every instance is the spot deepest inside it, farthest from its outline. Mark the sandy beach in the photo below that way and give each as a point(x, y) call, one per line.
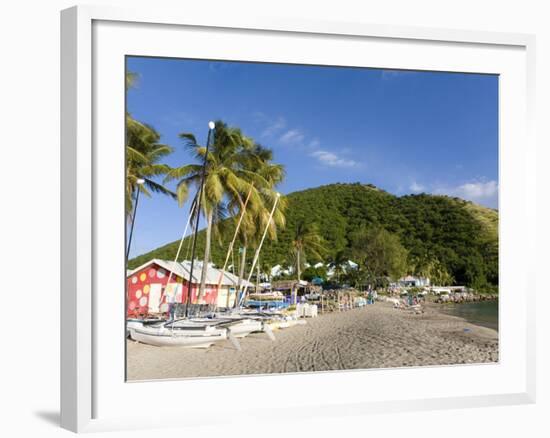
point(377, 336)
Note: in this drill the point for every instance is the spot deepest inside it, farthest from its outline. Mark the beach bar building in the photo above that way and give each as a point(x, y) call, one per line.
point(412, 281)
point(148, 290)
point(291, 287)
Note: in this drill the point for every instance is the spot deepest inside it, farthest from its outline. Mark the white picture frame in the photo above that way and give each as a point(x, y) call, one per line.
point(91, 391)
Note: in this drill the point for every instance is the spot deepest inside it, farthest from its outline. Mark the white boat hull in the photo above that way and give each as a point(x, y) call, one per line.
point(138, 323)
point(189, 338)
point(237, 325)
point(245, 327)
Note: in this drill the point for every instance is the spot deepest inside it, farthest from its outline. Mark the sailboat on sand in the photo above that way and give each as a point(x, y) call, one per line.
point(201, 332)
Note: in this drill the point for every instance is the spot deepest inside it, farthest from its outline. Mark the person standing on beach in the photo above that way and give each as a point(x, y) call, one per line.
point(170, 300)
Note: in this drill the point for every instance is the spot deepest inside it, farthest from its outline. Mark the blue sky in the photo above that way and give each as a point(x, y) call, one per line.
point(405, 132)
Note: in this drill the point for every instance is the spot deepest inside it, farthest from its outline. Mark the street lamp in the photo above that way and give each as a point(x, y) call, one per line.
point(139, 182)
point(211, 126)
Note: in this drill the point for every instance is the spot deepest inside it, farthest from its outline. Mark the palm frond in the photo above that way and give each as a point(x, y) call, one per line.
point(188, 138)
point(158, 188)
point(182, 172)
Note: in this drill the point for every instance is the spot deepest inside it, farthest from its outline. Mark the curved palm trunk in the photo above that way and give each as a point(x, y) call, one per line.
point(206, 255)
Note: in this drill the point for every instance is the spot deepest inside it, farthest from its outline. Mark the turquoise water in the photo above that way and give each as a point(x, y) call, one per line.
point(484, 313)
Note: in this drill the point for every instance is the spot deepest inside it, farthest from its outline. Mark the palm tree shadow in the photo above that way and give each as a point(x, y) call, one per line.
point(51, 417)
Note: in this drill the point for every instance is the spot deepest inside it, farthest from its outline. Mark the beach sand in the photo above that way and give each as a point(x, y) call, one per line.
point(377, 336)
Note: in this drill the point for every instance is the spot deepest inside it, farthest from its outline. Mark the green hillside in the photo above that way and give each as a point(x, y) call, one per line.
point(461, 235)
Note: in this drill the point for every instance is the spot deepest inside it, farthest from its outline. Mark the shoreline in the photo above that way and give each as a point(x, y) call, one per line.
point(376, 336)
point(464, 310)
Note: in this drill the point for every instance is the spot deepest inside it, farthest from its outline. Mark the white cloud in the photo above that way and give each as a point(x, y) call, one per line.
point(277, 128)
point(479, 191)
point(274, 127)
point(331, 159)
point(292, 137)
point(416, 187)
point(315, 143)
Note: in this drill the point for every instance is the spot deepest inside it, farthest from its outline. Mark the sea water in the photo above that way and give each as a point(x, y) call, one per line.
point(484, 313)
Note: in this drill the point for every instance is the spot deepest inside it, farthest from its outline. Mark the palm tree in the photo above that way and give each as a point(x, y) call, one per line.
point(143, 156)
point(143, 153)
point(306, 242)
point(229, 176)
point(131, 79)
point(339, 263)
point(266, 268)
point(265, 175)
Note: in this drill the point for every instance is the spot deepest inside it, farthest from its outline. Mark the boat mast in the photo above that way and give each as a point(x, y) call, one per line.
point(191, 212)
point(211, 126)
point(230, 249)
point(257, 254)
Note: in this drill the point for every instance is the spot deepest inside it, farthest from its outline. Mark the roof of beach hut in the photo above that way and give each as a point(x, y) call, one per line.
point(183, 270)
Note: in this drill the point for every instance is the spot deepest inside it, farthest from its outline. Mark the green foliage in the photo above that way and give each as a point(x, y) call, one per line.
point(310, 273)
point(379, 253)
point(237, 171)
point(431, 268)
point(143, 156)
point(306, 243)
point(454, 238)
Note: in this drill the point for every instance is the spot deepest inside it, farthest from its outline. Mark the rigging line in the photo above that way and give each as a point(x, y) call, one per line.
point(191, 212)
point(200, 196)
point(230, 249)
point(189, 242)
point(257, 254)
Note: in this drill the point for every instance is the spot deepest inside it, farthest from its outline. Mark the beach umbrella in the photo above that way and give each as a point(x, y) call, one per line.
point(317, 281)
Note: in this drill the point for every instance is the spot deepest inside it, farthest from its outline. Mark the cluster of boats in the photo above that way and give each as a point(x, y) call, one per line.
point(202, 332)
point(267, 300)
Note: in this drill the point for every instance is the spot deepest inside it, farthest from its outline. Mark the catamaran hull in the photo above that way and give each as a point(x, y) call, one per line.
point(244, 328)
point(178, 337)
point(139, 323)
point(238, 326)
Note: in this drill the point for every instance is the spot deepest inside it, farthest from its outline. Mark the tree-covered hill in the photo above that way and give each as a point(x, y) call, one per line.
point(459, 235)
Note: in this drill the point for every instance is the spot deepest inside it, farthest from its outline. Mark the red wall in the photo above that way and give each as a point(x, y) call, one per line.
point(139, 285)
